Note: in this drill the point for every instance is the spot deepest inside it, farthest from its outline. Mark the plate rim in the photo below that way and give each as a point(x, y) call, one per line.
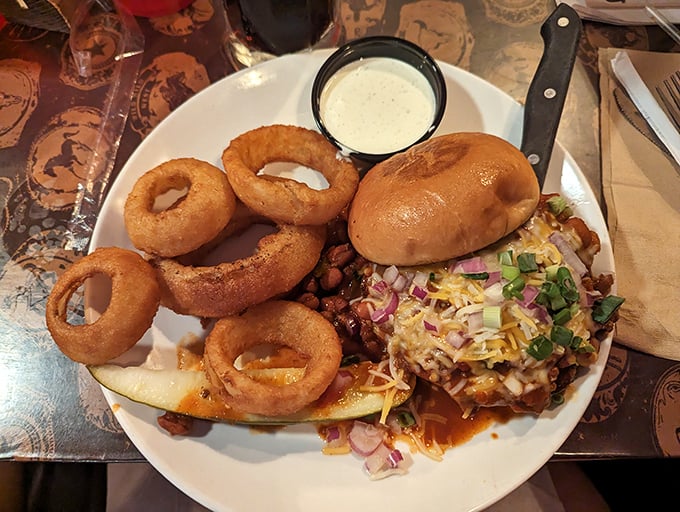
point(450, 71)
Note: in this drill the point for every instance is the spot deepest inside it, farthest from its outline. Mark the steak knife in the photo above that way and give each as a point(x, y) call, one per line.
point(544, 102)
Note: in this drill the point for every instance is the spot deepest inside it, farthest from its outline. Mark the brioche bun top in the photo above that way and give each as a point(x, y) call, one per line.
point(442, 199)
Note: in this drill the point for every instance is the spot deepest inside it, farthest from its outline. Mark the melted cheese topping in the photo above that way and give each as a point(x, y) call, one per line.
point(442, 333)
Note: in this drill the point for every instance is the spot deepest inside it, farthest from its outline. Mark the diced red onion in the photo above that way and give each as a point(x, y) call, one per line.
point(393, 423)
point(493, 295)
point(390, 275)
point(384, 461)
point(343, 378)
point(568, 253)
point(332, 434)
point(456, 339)
point(341, 382)
point(514, 385)
point(530, 293)
point(378, 460)
point(494, 277)
point(380, 315)
point(475, 321)
point(400, 283)
point(472, 265)
point(588, 297)
point(395, 458)
point(421, 279)
point(538, 312)
point(419, 292)
point(431, 326)
point(365, 438)
point(378, 289)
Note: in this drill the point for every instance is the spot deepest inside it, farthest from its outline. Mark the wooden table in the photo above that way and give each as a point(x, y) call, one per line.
point(50, 408)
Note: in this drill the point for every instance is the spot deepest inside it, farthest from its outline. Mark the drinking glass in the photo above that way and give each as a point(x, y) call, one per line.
point(258, 30)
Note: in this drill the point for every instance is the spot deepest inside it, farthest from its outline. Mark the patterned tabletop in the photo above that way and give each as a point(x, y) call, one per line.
point(50, 408)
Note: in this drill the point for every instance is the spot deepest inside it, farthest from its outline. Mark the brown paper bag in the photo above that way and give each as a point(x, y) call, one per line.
point(642, 193)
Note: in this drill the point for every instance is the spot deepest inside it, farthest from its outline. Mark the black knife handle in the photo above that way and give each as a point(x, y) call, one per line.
point(548, 89)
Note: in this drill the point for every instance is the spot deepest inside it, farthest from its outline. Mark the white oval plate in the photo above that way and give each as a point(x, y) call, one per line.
point(233, 469)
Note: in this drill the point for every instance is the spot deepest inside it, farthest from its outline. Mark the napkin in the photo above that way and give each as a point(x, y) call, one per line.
point(630, 13)
point(645, 102)
point(641, 185)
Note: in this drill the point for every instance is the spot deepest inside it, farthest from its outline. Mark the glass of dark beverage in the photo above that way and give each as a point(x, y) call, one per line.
point(258, 30)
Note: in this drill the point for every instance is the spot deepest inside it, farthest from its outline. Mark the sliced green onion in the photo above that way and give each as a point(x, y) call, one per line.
point(557, 205)
point(551, 290)
point(405, 419)
point(479, 276)
point(350, 359)
point(561, 335)
point(514, 288)
point(509, 272)
point(557, 398)
point(562, 316)
point(542, 299)
point(568, 288)
point(540, 348)
point(551, 296)
point(563, 273)
point(576, 342)
point(505, 257)
point(491, 317)
point(551, 272)
point(604, 309)
point(587, 349)
point(527, 262)
point(558, 303)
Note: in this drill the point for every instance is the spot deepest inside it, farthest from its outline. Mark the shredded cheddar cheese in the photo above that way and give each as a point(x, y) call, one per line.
point(450, 329)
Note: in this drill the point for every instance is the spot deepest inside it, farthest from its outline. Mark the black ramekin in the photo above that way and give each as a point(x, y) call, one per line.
point(380, 46)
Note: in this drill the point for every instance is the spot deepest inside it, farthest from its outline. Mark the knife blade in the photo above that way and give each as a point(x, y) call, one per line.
point(544, 101)
point(631, 114)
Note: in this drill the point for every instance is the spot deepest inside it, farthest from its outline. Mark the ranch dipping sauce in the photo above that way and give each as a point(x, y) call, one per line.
point(377, 105)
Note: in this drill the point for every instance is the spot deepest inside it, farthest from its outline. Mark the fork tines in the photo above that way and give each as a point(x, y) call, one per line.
point(669, 94)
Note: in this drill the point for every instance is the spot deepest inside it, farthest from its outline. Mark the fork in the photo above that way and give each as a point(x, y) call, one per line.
point(669, 94)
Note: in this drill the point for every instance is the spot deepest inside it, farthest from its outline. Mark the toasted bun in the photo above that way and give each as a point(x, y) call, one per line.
point(441, 199)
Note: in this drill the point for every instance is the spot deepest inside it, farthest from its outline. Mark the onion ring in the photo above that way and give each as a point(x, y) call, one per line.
point(286, 200)
point(285, 323)
point(193, 221)
point(135, 297)
point(280, 261)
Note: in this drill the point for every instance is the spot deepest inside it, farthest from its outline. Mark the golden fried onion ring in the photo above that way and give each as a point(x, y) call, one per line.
point(280, 261)
point(135, 297)
point(195, 220)
point(283, 323)
point(286, 200)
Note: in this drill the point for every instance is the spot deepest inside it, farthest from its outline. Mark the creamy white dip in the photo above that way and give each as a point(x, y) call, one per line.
point(377, 105)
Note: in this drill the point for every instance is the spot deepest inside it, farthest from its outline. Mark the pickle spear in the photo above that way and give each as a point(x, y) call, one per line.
point(189, 392)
